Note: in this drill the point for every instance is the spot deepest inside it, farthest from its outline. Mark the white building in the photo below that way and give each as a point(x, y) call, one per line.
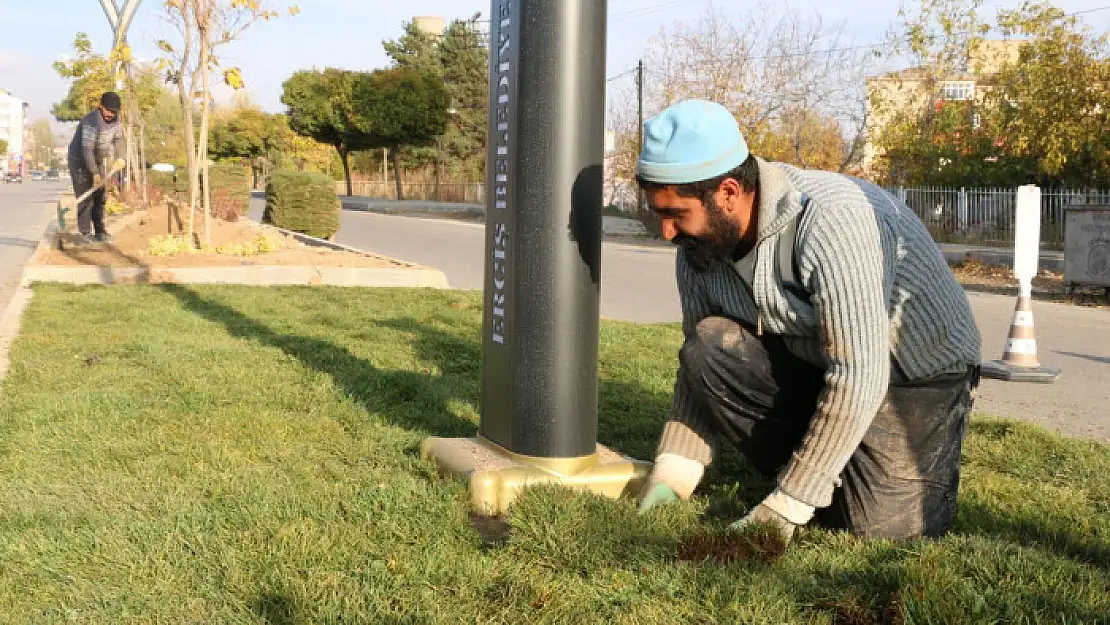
point(13, 128)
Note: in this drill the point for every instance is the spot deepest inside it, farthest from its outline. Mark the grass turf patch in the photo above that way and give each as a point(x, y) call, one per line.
point(248, 455)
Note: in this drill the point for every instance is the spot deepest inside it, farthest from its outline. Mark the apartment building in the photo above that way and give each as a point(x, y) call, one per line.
point(902, 89)
point(13, 129)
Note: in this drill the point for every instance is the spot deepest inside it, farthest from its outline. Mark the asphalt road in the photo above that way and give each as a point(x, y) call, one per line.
point(25, 209)
point(638, 285)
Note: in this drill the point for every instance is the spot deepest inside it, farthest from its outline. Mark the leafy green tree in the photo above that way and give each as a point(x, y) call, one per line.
point(462, 63)
point(3, 147)
point(165, 138)
point(248, 133)
point(401, 107)
point(321, 105)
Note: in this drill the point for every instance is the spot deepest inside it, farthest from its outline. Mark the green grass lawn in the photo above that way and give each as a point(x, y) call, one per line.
point(239, 455)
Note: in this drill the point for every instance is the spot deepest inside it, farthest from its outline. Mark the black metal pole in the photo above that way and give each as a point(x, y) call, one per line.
point(640, 125)
point(543, 226)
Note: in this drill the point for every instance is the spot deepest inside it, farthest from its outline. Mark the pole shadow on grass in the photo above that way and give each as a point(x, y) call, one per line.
point(629, 416)
point(406, 399)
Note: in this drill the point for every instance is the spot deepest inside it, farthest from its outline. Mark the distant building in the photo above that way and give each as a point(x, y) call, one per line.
point(903, 89)
point(433, 25)
point(13, 129)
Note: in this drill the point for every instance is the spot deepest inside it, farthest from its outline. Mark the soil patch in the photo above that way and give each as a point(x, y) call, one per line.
point(132, 235)
point(755, 544)
point(892, 612)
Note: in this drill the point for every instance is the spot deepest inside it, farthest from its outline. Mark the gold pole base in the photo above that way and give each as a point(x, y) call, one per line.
point(496, 476)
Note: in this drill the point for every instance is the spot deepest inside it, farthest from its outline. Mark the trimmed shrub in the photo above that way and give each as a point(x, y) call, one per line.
point(231, 190)
point(302, 202)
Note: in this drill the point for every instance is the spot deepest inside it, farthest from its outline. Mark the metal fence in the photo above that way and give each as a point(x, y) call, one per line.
point(986, 216)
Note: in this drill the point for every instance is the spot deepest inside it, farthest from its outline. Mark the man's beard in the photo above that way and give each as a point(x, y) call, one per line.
point(717, 245)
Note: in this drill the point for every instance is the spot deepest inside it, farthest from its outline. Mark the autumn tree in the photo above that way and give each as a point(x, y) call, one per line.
point(1037, 112)
point(92, 74)
point(400, 107)
point(1052, 103)
point(3, 148)
point(924, 136)
point(42, 150)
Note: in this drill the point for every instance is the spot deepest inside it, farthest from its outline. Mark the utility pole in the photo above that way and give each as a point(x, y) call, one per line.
point(640, 126)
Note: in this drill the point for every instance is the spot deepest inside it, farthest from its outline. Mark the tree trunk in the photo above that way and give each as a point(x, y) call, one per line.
point(343, 155)
point(203, 24)
point(438, 167)
point(184, 94)
point(396, 153)
point(142, 163)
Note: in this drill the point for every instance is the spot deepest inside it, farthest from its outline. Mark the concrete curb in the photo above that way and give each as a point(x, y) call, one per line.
point(332, 245)
point(10, 322)
point(1048, 262)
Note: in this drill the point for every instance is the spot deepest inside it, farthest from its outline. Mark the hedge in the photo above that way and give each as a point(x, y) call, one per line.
point(302, 202)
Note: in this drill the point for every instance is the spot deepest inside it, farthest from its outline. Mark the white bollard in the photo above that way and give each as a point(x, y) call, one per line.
point(1019, 361)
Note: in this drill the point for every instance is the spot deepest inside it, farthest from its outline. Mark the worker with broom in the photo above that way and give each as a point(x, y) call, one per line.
point(825, 337)
point(98, 141)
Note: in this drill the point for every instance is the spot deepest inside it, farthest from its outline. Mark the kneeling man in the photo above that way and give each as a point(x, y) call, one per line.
point(825, 336)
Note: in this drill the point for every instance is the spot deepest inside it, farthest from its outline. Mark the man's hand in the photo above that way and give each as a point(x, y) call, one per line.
point(672, 479)
point(780, 510)
point(97, 180)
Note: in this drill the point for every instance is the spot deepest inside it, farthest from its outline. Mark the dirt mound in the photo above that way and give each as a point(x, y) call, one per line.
point(133, 233)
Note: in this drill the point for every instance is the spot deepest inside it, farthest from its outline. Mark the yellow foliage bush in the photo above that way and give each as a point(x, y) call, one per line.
point(260, 244)
point(170, 245)
point(112, 206)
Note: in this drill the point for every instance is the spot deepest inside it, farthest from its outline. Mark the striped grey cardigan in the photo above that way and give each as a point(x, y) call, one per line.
point(879, 288)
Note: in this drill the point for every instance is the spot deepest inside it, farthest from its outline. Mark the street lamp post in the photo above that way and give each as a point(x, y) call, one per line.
point(543, 262)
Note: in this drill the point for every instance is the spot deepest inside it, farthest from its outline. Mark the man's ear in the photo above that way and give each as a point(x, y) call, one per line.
point(729, 196)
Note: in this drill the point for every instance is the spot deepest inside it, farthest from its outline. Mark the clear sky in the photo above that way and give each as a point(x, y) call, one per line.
point(349, 34)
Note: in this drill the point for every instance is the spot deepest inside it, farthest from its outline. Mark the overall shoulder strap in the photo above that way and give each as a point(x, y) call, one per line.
point(787, 259)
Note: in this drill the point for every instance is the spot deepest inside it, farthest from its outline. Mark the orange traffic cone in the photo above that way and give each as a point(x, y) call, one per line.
point(1019, 361)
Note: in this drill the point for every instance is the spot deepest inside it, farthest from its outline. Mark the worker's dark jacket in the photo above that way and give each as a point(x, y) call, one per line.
point(95, 143)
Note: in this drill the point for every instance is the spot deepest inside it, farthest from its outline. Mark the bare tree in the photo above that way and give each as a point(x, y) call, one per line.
point(796, 85)
point(203, 27)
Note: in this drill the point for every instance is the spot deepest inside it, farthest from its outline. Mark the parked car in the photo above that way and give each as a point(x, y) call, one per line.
point(52, 174)
point(13, 176)
point(37, 175)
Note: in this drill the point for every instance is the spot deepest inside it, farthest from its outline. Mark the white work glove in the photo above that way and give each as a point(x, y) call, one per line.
point(781, 510)
point(672, 478)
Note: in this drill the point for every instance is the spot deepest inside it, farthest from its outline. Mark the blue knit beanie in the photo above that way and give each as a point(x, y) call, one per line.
point(691, 141)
